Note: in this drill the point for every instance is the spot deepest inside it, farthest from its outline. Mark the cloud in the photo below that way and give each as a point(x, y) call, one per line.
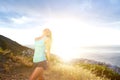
point(21, 20)
point(74, 18)
point(35, 12)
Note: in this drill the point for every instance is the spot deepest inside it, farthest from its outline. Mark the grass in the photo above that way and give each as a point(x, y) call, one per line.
point(81, 71)
point(70, 72)
point(64, 71)
point(10, 60)
point(100, 70)
point(59, 70)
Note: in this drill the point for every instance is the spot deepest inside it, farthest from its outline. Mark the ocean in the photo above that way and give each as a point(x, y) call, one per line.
point(107, 54)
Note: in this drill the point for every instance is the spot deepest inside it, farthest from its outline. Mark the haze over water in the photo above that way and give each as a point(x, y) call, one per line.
point(109, 55)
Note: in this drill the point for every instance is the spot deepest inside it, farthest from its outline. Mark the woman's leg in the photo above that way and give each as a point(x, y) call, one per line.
point(41, 77)
point(37, 73)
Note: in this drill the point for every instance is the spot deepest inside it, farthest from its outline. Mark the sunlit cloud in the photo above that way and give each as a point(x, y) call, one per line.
point(90, 22)
point(21, 20)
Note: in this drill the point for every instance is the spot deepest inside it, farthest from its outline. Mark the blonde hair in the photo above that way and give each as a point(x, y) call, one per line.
point(49, 36)
point(50, 33)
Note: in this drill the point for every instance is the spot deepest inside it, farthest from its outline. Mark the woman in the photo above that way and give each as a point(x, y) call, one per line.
point(42, 54)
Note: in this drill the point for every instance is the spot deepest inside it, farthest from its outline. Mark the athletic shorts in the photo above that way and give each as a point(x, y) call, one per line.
point(42, 64)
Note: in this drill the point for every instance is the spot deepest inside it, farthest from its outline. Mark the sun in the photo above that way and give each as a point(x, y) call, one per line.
point(66, 53)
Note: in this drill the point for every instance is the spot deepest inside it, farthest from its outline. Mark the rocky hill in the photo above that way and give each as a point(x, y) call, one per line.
point(12, 54)
point(6, 43)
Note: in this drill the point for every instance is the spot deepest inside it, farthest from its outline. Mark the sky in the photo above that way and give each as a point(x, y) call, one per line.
point(73, 23)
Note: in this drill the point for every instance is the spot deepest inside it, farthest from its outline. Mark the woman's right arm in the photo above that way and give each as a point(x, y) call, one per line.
point(38, 38)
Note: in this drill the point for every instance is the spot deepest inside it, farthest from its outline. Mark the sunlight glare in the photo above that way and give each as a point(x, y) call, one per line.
point(69, 34)
point(67, 54)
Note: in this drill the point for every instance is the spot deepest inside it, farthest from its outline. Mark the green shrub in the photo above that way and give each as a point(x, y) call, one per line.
point(101, 70)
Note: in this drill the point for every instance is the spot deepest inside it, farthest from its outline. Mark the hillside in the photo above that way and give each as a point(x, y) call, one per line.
point(6, 43)
point(12, 54)
point(16, 64)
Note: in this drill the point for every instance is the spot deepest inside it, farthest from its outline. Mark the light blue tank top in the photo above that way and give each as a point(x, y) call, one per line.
point(39, 54)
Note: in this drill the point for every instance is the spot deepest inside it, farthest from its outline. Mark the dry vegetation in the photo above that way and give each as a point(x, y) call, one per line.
point(17, 67)
point(70, 72)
